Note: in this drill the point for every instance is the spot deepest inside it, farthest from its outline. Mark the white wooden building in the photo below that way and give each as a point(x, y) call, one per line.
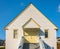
point(31, 30)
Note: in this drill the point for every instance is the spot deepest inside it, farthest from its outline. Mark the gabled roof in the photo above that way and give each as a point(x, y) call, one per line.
point(31, 23)
point(23, 11)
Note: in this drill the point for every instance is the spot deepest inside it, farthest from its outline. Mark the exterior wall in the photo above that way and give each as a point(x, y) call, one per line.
point(21, 20)
point(12, 43)
point(51, 40)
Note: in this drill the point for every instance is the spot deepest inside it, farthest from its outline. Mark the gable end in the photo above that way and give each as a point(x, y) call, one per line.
point(38, 13)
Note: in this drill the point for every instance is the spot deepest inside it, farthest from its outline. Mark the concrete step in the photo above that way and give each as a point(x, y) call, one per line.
point(31, 46)
point(26, 46)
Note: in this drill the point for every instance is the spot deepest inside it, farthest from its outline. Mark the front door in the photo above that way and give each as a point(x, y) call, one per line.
point(31, 35)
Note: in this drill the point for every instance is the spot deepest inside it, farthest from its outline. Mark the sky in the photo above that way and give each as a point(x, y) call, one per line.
point(9, 9)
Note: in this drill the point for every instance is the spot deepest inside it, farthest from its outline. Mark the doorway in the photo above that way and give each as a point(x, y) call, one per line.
point(31, 35)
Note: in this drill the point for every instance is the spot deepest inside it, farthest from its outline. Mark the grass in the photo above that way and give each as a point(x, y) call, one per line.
point(2, 47)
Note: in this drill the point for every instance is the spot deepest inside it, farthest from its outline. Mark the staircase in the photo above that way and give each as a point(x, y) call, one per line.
point(34, 46)
point(31, 46)
point(39, 45)
point(21, 43)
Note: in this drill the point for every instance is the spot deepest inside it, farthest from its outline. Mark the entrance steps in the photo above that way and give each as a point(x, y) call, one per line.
point(31, 46)
point(39, 45)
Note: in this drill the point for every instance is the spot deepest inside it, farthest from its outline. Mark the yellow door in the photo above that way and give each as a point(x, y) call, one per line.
point(31, 36)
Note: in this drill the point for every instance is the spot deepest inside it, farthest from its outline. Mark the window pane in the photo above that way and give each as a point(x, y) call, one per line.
point(46, 33)
point(15, 33)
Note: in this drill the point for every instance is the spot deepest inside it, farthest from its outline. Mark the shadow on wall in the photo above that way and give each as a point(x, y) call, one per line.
point(47, 46)
point(41, 33)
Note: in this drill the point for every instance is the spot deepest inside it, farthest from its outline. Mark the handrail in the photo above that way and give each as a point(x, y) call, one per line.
point(21, 43)
point(41, 43)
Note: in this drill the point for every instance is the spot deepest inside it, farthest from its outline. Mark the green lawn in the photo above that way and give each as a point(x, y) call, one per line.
point(2, 47)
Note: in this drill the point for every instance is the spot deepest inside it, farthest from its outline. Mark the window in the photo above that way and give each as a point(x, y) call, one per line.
point(46, 33)
point(15, 33)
